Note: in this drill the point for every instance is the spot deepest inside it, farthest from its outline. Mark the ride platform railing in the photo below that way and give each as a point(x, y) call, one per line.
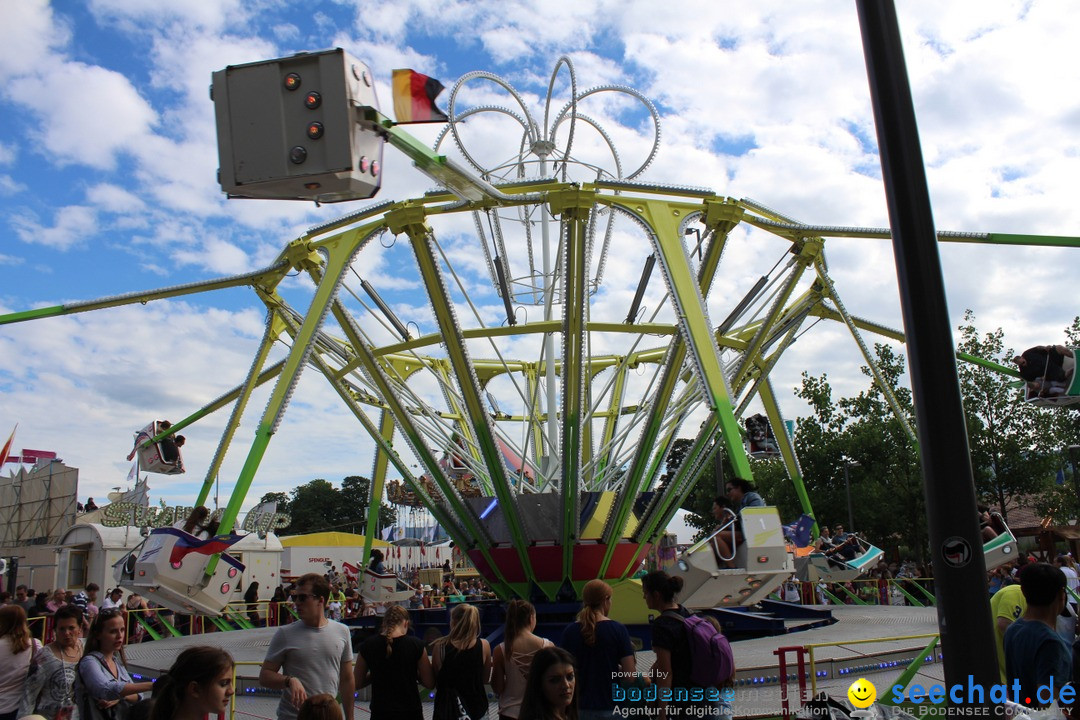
point(812, 668)
point(869, 591)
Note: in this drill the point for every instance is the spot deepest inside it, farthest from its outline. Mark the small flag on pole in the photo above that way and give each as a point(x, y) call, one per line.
point(414, 97)
point(6, 450)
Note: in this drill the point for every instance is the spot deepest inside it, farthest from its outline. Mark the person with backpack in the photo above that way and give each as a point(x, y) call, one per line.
point(693, 658)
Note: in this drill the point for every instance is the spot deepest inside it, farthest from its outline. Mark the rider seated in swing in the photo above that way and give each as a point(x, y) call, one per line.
point(845, 545)
point(456, 456)
point(740, 494)
point(722, 541)
point(1047, 369)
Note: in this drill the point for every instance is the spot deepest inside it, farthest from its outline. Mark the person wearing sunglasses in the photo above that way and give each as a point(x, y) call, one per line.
point(312, 656)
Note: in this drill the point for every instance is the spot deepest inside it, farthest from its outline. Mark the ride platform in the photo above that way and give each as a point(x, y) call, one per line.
point(842, 655)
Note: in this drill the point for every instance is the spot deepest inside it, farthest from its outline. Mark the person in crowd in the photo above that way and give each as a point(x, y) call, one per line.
point(251, 600)
point(311, 656)
point(513, 657)
point(393, 663)
point(671, 644)
point(58, 600)
point(199, 684)
point(551, 693)
point(90, 506)
point(85, 600)
point(790, 591)
point(1006, 606)
point(1035, 655)
point(113, 599)
point(603, 651)
point(417, 600)
point(38, 612)
point(17, 649)
point(136, 607)
point(337, 594)
point(23, 599)
point(50, 685)
point(376, 564)
point(104, 689)
point(462, 664)
point(320, 707)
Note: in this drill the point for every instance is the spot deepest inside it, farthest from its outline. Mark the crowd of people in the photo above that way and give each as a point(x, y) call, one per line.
point(311, 661)
point(534, 678)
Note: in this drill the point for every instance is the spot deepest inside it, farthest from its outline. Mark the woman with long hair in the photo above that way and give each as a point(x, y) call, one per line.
point(514, 655)
point(195, 522)
point(17, 649)
point(603, 651)
point(671, 644)
point(50, 686)
point(393, 662)
point(551, 693)
point(251, 600)
point(199, 683)
point(462, 662)
point(104, 689)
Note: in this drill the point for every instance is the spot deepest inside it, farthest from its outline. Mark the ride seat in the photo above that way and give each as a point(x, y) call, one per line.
point(177, 583)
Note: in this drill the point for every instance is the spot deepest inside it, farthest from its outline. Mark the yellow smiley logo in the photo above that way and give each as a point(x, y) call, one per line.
point(862, 693)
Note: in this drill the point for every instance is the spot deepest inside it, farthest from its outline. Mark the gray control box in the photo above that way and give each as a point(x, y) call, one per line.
point(287, 129)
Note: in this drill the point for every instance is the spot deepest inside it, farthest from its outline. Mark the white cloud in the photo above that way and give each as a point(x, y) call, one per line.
point(73, 226)
point(9, 186)
point(215, 255)
point(769, 102)
point(113, 198)
point(28, 35)
point(8, 153)
point(86, 114)
point(213, 16)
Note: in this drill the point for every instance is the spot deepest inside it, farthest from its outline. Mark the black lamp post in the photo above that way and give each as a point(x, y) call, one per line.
point(847, 489)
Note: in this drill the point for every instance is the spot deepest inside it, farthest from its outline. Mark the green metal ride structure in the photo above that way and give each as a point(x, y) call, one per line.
point(556, 394)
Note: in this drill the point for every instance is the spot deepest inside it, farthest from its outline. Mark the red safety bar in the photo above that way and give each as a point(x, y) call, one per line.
point(800, 656)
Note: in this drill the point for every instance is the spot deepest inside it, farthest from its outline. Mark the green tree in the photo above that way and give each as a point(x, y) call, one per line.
point(282, 500)
point(1011, 442)
point(355, 497)
point(863, 435)
point(318, 506)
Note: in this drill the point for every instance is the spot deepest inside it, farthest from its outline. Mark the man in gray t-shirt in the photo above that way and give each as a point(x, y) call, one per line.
point(312, 656)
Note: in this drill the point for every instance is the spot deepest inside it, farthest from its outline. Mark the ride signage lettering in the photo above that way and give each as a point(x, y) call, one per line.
point(122, 514)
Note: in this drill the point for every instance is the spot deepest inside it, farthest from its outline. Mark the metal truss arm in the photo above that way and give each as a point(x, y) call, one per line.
point(410, 220)
point(274, 328)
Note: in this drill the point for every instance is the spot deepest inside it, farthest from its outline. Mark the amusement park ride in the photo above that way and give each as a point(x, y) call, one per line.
point(540, 403)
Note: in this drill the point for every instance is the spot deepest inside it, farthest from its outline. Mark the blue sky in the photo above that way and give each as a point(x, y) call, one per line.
point(107, 163)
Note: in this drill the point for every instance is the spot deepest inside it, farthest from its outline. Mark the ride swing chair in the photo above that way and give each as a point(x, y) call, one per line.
point(557, 418)
point(175, 569)
point(1056, 384)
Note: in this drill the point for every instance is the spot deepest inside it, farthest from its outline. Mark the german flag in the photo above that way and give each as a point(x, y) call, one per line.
point(414, 98)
